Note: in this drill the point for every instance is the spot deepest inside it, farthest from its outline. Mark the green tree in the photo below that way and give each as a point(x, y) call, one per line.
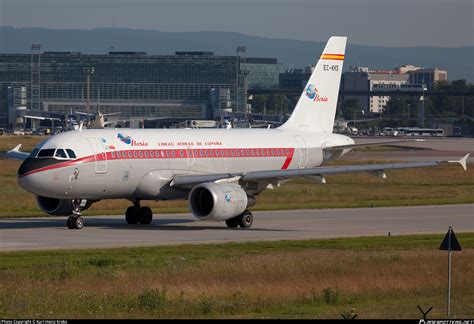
point(350, 107)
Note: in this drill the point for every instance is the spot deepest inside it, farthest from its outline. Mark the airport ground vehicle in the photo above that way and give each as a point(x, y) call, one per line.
point(412, 131)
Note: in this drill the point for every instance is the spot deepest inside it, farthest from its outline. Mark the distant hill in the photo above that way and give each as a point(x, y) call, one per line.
point(458, 61)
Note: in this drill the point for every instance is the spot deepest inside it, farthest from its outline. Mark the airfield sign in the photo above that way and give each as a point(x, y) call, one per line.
point(450, 243)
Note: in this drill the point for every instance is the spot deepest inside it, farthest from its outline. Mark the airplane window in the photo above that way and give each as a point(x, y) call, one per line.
point(46, 153)
point(129, 154)
point(162, 153)
point(278, 151)
point(113, 155)
point(135, 154)
point(217, 152)
point(181, 153)
point(152, 154)
point(141, 154)
point(71, 153)
point(173, 153)
point(34, 152)
point(60, 154)
point(146, 154)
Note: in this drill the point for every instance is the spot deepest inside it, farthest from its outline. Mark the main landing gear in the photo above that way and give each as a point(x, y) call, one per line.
point(244, 220)
point(138, 215)
point(76, 221)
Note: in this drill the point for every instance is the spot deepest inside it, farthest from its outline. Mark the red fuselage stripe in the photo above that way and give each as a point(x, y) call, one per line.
point(178, 154)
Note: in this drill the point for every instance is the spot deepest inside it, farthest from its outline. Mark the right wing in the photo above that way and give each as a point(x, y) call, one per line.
point(188, 181)
point(16, 154)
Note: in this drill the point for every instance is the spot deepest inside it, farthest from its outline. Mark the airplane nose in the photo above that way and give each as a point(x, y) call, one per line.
point(31, 183)
point(29, 178)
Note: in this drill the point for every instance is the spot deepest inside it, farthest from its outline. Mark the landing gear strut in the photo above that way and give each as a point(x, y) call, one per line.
point(76, 221)
point(244, 220)
point(138, 215)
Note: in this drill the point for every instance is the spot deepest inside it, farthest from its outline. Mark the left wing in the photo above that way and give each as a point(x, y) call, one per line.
point(191, 180)
point(16, 154)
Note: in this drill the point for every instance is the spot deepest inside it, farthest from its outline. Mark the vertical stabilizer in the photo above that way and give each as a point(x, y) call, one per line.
point(316, 108)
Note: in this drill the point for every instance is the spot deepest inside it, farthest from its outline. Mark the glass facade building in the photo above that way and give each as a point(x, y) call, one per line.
point(133, 83)
point(262, 73)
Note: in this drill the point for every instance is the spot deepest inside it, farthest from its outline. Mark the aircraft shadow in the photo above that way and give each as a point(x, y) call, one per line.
point(91, 222)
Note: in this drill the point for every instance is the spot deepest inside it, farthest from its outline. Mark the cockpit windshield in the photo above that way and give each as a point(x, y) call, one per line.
point(53, 153)
point(71, 153)
point(46, 153)
point(60, 154)
point(34, 152)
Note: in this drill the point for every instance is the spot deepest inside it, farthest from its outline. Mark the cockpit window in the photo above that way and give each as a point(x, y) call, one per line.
point(34, 152)
point(71, 153)
point(46, 153)
point(60, 154)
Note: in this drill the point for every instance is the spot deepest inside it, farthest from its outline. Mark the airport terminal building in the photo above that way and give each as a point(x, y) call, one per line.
point(133, 83)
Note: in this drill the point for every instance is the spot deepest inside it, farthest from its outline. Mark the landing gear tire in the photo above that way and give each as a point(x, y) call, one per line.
point(78, 222)
point(145, 215)
point(232, 222)
point(246, 219)
point(70, 222)
point(75, 222)
point(132, 215)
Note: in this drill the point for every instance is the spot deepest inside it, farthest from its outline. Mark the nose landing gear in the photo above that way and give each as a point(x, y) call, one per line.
point(76, 221)
point(138, 215)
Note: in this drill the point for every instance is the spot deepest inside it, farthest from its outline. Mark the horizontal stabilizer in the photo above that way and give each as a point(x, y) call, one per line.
point(352, 146)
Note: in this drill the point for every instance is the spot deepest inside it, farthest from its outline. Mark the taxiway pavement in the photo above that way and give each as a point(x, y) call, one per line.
point(45, 233)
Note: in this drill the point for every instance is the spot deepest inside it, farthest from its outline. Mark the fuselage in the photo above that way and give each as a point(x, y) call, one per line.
point(140, 163)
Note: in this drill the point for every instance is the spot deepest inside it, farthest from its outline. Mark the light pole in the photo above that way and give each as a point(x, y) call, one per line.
point(422, 113)
point(88, 71)
point(240, 50)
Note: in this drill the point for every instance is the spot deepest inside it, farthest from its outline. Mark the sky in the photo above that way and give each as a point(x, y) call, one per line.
point(444, 23)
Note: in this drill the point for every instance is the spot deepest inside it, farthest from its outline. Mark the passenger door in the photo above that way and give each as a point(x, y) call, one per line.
point(100, 155)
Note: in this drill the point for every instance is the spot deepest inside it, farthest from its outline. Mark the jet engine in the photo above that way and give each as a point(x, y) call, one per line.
point(58, 207)
point(217, 202)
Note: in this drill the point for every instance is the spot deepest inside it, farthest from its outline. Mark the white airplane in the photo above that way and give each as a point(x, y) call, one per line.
point(220, 171)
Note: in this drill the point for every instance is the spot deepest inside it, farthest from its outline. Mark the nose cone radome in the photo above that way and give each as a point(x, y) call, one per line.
point(30, 176)
point(31, 183)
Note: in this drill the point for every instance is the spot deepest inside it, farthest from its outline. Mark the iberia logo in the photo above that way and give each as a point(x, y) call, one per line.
point(128, 140)
point(312, 93)
point(124, 138)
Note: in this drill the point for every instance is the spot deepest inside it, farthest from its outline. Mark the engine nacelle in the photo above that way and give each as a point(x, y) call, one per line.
point(217, 202)
point(58, 207)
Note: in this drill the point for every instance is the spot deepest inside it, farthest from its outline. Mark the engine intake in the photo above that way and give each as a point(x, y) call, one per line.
point(58, 207)
point(217, 202)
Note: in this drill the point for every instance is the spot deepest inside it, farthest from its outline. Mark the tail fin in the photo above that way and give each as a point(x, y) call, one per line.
point(316, 108)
